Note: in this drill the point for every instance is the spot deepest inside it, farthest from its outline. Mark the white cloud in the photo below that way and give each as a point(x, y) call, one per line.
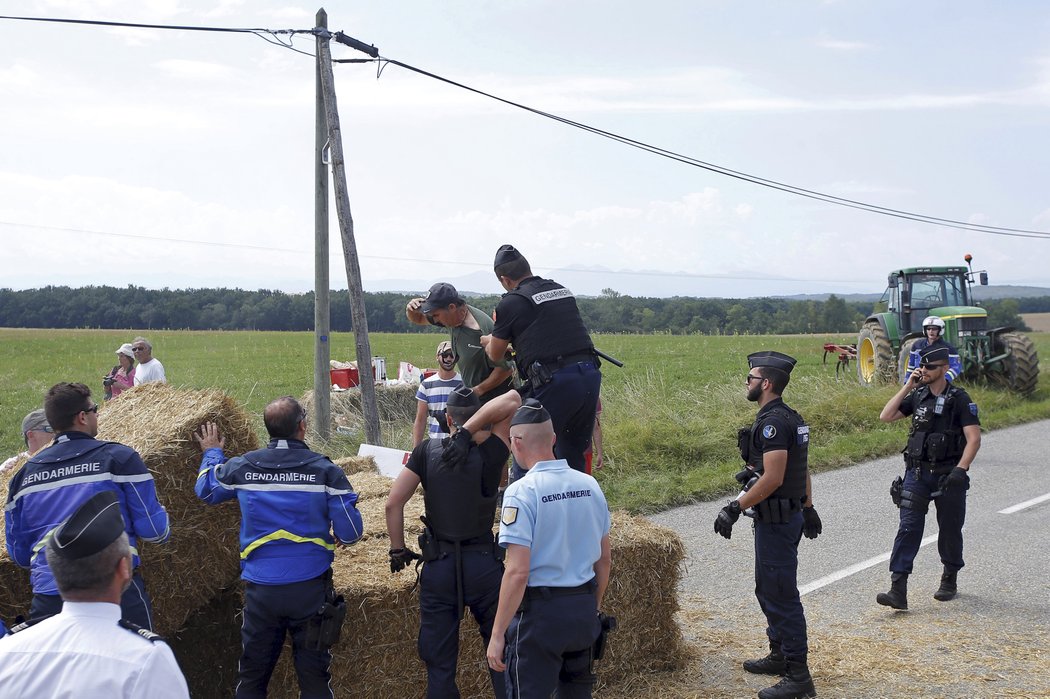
point(183, 69)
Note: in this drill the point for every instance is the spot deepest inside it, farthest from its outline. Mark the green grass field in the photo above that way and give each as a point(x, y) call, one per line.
point(670, 420)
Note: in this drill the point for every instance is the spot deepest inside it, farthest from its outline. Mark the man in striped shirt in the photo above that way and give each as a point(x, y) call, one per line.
point(433, 396)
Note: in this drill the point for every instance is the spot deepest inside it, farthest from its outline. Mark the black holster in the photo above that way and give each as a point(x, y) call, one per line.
point(896, 488)
point(914, 501)
point(608, 626)
point(324, 627)
point(429, 546)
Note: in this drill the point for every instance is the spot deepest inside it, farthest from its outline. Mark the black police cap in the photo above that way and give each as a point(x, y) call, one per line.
point(505, 254)
point(932, 355)
point(440, 296)
point(531, 412)
point(95, 525)
point(774, 360)
point(463, 397)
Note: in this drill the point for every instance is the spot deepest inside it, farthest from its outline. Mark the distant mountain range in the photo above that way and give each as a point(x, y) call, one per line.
point(981, 293)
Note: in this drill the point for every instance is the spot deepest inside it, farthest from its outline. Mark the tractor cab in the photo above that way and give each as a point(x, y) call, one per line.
point(915, 293)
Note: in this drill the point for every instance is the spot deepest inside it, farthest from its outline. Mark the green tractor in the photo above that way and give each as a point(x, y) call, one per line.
point(999, 355)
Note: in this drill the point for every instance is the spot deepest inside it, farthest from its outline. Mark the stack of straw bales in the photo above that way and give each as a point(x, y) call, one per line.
point(396, 405)
point(377, 655)
point(201, 558)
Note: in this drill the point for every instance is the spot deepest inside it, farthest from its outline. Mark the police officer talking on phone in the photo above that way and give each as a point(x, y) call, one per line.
point(942, 443)
point(776, 450)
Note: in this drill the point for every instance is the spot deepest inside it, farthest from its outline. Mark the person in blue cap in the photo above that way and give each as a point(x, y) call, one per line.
point(943, 441)
point(462, 563)
point(555, 526)
point(552, 350)
point(60, 478)
point(776, 449)
point(87, 650)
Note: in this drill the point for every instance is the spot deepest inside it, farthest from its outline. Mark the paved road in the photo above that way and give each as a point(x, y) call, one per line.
point(1005, 586)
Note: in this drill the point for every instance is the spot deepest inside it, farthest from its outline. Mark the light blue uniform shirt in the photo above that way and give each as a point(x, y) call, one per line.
point(561, 515)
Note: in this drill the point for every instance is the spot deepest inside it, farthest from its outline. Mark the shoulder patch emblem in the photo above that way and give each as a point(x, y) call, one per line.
point(509, 515)
point(973, 409)
point(769, 431)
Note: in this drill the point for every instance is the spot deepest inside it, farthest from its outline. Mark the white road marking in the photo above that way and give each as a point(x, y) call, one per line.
point(855, 568)
point(1027, 503)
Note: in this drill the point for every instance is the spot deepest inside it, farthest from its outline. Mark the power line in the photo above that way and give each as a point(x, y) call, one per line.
point(641, 145)
point(736, 174)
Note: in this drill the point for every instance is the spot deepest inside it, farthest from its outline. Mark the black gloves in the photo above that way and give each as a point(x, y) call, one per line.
point(958, 479)
point(727, 517)
point(399, 558)
point(811, 525)
point(456, 448)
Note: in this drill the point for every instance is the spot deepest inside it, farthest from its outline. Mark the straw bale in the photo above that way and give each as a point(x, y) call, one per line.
point(15, 591)
point(396, 405)
point(157, 420)
point(357, 464)
point(377, 656)
point(208, 646)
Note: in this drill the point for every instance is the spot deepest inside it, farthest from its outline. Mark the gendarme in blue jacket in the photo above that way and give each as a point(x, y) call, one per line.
point(292, 500)
point(53, 484)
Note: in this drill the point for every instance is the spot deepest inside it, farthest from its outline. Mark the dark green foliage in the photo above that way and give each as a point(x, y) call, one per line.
point(107, 307)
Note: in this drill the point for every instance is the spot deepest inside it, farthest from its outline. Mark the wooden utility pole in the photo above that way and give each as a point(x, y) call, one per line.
point(346, 230)
point(322, 302)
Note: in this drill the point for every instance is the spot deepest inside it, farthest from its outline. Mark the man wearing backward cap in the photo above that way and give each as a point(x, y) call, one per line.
point(555, 527)
point(553, 350)
point(776, 450)
point(942, 444)
point(87, 650)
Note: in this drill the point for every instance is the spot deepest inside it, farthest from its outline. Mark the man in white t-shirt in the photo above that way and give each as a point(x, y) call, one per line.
point(149, 368)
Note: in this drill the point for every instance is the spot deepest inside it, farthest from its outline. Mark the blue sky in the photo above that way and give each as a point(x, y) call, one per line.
point(120, 144)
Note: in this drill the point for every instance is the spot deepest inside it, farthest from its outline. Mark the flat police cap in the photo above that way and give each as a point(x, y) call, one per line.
point(505, 254)
point(774, 360)
point(531, 412)
point(463, 397)
point(95, 525)
point(931, 355)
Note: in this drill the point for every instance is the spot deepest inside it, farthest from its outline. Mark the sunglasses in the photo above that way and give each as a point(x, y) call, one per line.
point(92, 409)
point(447, 355)
point(138, 349)
point(751, 378)
point(933, 366)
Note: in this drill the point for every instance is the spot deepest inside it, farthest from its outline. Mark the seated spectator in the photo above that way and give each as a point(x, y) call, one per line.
point(121, 376)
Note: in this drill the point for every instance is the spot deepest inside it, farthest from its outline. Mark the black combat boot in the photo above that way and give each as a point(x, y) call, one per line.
point(947, 590)
point(797, 684)
point(772, 664)
point(897, 597)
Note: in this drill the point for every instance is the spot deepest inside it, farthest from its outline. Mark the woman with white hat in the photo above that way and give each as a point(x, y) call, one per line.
point(122, 376)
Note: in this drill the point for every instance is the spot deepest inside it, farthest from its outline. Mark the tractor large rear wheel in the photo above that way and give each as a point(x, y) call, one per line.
point(902, 360)
point(1020, 371)
point(875, 363)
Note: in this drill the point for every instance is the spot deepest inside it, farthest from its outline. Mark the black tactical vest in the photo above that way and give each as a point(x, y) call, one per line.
point(557, 330)
point(934, 440)
point(456, 507)
point(794, 485)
